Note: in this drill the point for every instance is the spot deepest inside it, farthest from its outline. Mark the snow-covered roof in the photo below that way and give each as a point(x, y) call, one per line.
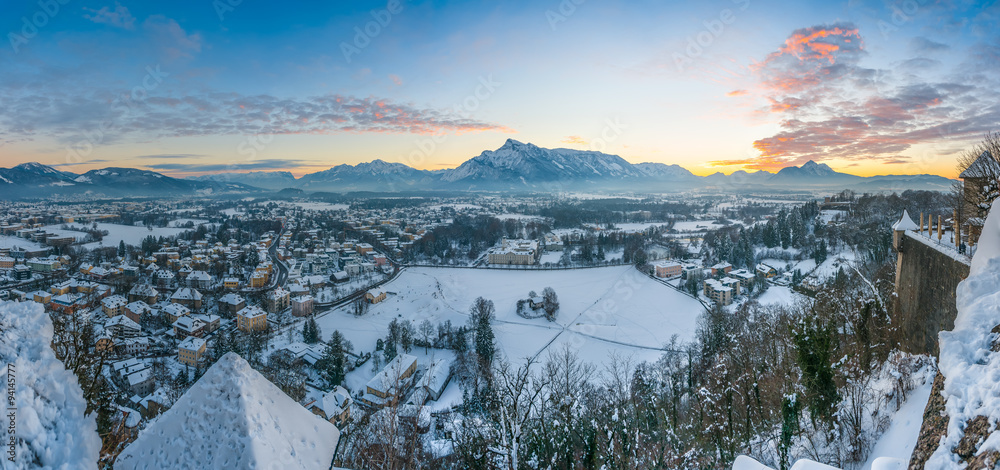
point(233, 417)
point(985, 166)
point(904, 223)
point(191, 343)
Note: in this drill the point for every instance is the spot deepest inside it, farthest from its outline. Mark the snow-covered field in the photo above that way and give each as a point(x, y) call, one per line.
point(132, 235)
point(7, 241)
point(602, 310)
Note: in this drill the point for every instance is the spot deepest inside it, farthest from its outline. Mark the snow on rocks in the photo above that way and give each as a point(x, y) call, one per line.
point(51, 428)
point(233, 418)
point(969, 362)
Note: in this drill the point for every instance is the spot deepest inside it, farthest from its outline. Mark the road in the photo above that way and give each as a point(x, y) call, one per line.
point(282, 276)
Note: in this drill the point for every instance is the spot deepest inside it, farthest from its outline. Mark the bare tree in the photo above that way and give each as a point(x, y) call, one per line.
point(982, 180)
point(517, 394)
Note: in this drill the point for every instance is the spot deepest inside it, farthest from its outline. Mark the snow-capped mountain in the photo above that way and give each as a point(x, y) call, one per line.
point(35, 174)
point(523, 164)
point(812, 171)
point(375, 175)
point(30, 180)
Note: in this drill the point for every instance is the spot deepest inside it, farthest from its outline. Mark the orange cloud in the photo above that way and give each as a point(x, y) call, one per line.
point(574, 140)
point(737, 93)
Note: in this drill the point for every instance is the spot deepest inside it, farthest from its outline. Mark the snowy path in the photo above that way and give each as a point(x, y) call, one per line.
point(899, 439)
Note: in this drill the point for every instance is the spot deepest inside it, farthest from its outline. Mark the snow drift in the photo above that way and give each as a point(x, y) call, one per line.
point(233, 418)
point(51, 428)
point(969, 362)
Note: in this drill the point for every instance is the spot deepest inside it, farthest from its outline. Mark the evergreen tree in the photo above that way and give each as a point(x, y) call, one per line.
point(815, 343)
point(121, 248)
point(482, 312)
point(333, 365)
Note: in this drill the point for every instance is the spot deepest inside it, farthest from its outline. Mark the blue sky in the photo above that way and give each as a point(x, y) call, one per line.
point(869, 87)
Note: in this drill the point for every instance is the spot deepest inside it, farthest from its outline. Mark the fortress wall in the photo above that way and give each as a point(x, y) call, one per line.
point(927, 275)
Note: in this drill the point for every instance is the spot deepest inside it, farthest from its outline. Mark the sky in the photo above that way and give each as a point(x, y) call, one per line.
point(196, 87)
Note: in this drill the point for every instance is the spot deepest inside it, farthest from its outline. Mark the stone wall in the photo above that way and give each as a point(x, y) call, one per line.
point(927, 275)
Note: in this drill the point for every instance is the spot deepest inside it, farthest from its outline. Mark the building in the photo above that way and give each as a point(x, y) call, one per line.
point(302, 305)
point(6, 262)
point(122, 327)
point(721, 269)
point(43, 265)
point(515, 252)
point(188, 297)
point(191, 350)
point(376, 295)
point(199, 280)
point(435, 380)
point(22, 273)
point(389, 384)
point(718, 292)
point(745, 277)
point(231, 283)
point(42, 297)
point(335, 406)
point(277, 300)
point(231, 303)
point(174, 311)
point(668, 269)
point(982, 173)
point(188, 326)
point(164, 279)
point(145, 293)
point(767, 271)
point(251, 318)
point(136, 310)
point(114, 305)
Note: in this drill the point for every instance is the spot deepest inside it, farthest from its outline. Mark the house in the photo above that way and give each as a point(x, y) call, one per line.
point(65, 303)
point(141, 382)
point(435, 380)
point(745, 277)
point(199, 280)
point(188, 297)
point(302, 306)
point(114, 305)
point(340, 276)
point(145, 293)
point(122, 327)
point(188, 326)
point(376, 295)
point(132, 346)
point(231, 283)
point(721, 269)
point(211, 322)
point(766, 271)
point(174, 311)
point(135, 310)
point(251, 318)
point(515, 252)
point(191, 350)
point(258, 279)
point(387, 386)
point(231, 303)
point(277, 300)
point(42, 297)
point(335, 406)
point(716, 291)
point(164, 278)
point(668, 269)
point(6, 262)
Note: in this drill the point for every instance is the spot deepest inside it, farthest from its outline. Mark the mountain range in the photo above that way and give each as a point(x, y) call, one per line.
point(515, 166)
